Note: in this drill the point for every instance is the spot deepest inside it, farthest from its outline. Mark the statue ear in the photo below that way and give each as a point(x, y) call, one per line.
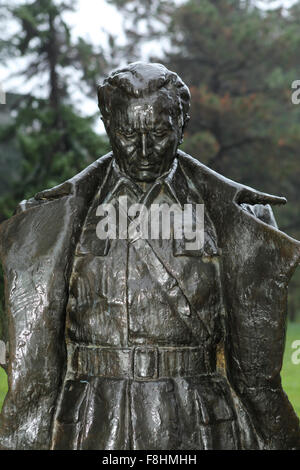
point(106, 123)
point(185, 123)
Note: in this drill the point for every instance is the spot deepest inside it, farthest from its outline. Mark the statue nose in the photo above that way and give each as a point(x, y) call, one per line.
point(144, 145)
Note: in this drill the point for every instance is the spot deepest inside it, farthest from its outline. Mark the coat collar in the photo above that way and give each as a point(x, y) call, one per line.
point(197, 177)
point(173, 182)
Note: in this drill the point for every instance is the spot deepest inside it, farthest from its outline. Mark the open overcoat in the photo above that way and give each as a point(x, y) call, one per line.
point(256, 263)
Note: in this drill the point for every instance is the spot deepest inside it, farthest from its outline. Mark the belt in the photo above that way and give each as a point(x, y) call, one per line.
point(138, 363)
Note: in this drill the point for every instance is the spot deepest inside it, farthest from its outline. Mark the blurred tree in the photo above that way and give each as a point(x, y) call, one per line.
point(55, 140)
point(239, 62)
point(144, 22)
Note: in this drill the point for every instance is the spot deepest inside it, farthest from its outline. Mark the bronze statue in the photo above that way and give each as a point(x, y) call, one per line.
point(114, 343)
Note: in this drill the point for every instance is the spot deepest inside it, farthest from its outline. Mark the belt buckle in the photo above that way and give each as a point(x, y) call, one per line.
point(145, 363)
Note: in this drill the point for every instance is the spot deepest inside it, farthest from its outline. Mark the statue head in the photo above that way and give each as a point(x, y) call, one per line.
point(144, 108)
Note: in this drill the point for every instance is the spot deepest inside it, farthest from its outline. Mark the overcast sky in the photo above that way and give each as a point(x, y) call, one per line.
point(91, 19)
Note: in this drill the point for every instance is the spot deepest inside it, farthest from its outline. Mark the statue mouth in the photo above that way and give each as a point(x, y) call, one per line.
point(146, 167)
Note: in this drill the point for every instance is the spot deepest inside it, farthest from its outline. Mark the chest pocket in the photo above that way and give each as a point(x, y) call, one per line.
point(181, 247)
point(89, 243)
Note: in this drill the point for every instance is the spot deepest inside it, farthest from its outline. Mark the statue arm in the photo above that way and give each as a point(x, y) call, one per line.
point(262, 212)
point(4, 336)
point(35, 295)
point(256, 327)
point(253, 369)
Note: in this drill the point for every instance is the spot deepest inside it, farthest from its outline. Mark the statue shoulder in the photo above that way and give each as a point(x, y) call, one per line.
point(217, 188)
point(85, 178)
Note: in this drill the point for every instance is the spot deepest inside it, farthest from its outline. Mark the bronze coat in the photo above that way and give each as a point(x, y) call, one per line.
point(257, 262)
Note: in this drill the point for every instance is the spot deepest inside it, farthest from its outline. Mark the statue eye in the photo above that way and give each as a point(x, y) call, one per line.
point(160, 133)
point(127, 135)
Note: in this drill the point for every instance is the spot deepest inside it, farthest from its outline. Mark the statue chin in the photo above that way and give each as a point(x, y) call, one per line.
point(147, 174)
point(144, 176)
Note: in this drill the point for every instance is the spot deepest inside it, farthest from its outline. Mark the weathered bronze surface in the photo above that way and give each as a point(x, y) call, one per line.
point(113, 344)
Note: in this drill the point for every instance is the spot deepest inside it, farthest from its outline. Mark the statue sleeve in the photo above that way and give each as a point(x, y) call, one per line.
point(262, 212)
point(258, 263)
point(35, 249)
point(4, 335)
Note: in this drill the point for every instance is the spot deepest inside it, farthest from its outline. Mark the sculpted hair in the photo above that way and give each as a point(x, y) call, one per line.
point(141, 79)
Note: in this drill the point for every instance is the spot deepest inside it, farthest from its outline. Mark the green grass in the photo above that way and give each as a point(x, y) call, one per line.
point(3, 386)
point(290, 372)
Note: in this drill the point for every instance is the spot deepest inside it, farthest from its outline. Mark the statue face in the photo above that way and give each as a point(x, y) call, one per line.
point(144, 134)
